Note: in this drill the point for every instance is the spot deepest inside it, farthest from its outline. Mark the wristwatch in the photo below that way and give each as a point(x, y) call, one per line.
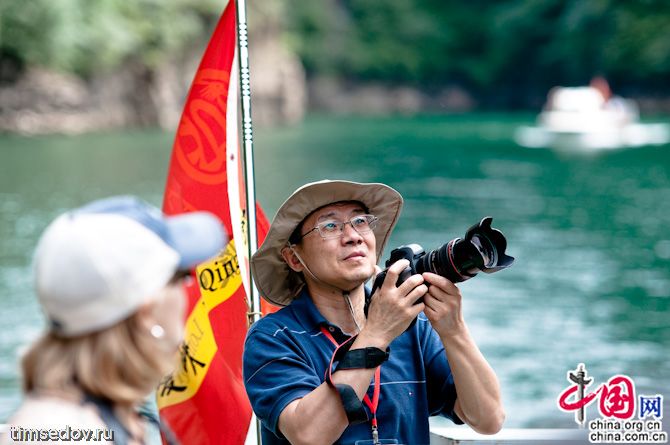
point(369, 357)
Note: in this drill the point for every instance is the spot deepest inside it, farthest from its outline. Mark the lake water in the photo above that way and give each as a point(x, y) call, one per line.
point(591, 235)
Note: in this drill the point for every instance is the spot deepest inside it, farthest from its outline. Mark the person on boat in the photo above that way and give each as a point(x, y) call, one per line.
point(108, 277)
point(318, 370)
point(623, 111)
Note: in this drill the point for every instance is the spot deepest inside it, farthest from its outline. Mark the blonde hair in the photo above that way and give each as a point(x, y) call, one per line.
point(122, 363)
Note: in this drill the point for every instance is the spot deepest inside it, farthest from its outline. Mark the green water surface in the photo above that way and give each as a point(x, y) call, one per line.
point(590, 233)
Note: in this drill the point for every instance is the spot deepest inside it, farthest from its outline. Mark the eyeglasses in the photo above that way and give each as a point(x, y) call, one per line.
point(331, 229)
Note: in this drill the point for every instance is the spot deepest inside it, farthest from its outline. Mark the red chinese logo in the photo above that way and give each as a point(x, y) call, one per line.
point(200, 145)
point(617, 396)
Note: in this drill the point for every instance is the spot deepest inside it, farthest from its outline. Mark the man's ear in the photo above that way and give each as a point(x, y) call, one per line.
point(291, 259)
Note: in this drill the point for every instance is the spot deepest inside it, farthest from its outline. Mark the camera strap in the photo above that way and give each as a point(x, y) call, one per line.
point(352, 405)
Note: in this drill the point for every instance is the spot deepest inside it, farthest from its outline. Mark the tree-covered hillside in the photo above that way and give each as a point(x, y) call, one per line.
point(507, 53)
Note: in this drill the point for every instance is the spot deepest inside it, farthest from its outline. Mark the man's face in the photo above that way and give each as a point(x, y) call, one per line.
point(345, 261)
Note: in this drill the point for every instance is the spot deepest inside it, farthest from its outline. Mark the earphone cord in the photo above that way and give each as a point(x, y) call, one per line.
point(345, 294)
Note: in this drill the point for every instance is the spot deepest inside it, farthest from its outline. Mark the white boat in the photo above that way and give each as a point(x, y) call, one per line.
point(586, 119)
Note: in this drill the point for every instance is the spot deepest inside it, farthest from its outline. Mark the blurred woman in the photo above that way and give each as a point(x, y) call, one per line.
point(108, 278)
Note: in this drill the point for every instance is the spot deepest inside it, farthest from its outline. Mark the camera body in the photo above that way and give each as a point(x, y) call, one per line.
point(481, 250)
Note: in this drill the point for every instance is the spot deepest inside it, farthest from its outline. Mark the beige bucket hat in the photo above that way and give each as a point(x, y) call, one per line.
point(268, 268)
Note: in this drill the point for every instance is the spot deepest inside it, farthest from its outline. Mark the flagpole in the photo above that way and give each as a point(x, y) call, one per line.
point(248, 148)
point(254, 313)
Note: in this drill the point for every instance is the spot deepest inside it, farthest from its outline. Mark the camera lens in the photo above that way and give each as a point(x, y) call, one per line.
point(482, 249)
point(486, 249)
point(440, 262)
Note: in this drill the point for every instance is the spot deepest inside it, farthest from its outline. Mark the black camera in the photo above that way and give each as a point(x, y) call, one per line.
point(482, 250)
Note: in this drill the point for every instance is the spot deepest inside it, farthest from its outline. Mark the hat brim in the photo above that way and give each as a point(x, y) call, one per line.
point(268, 268)
point(196, 236)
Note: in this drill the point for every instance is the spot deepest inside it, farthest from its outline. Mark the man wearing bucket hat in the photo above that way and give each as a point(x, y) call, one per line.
point(319, 371)
point(108, 278)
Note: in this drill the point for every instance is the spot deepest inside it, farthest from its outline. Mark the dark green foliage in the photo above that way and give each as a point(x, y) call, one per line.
point(501, 50)
point(85, 36)
point(505, 51)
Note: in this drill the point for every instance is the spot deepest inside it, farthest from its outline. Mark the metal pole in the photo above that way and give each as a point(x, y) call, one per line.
point(248, 149)
point(248, 156)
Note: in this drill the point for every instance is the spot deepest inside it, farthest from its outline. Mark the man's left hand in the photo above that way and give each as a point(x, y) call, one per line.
point(443, 305)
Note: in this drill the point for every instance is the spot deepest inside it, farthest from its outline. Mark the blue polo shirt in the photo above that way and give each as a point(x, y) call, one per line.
point(286, 355)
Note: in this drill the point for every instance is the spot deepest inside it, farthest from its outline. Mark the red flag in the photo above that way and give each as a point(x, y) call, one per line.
point(204, 400)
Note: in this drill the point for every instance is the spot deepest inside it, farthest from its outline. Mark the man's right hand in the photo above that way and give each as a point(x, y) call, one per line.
point(392, 308)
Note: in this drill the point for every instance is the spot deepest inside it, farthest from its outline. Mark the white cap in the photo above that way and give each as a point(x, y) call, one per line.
point(96, 265)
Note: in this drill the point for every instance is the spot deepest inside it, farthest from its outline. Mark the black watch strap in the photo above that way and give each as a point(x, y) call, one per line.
point(369, 357)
